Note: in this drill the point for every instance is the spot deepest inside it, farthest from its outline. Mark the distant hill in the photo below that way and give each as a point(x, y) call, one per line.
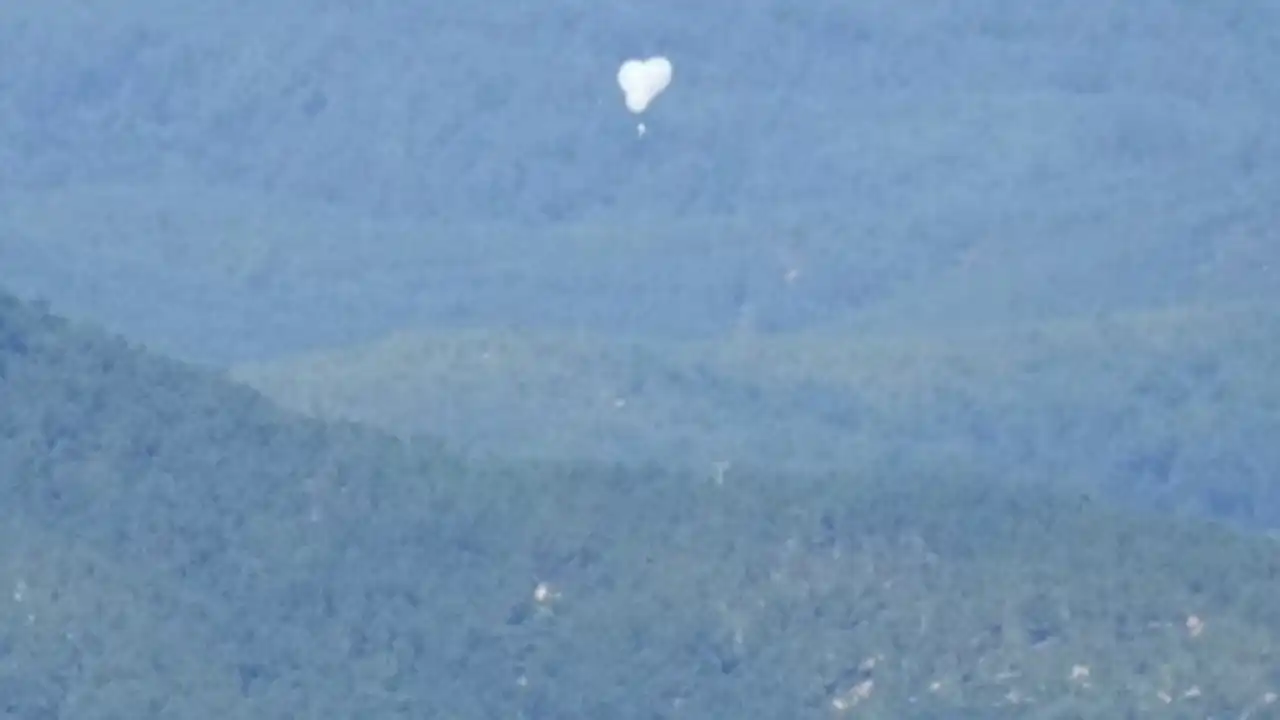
point(177, 547)
point(501, 111)
point(1172, 410)
point(298, 175)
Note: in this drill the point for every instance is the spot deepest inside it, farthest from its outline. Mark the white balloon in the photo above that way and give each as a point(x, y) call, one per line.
point(643, 80)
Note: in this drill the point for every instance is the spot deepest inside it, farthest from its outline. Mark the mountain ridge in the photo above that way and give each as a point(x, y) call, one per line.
point(346, 572)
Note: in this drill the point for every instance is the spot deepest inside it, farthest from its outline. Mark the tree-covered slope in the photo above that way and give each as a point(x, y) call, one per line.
point(286, 174)
point(502, 110)
point(88, 635)
point(1174, 410)
point(330, 571)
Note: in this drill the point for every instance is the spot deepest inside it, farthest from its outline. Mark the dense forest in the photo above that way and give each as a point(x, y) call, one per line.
point(1176, 411)
point(247, 180)
point(1022, 244)
point(175, 546)
point(360, 359)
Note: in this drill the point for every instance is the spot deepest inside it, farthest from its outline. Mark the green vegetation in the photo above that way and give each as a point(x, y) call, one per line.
point(235, 185)
point(892, 374)
point(1176, 410)
point(175, 546)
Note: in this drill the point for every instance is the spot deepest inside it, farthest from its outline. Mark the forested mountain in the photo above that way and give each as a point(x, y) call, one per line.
point(1175, 410)
point(1064, 219)
point(893, 371)
point(243, 180)
point(177, 547)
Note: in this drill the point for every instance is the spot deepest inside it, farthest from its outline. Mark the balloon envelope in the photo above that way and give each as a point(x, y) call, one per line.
point(643, 80)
